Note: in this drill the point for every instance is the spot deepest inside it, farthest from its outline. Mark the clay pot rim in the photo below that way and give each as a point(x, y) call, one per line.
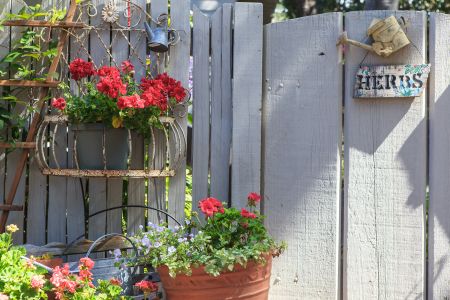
point(237, 267)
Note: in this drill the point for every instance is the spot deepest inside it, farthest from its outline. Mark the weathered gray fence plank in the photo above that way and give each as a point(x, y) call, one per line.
point(136, 187)
point(385, 175)
point(438, 218)
point(221, 106)
point(157, 186)
point(179, 69)
point(247, 93)
point(301, 152)
point(16, 217)
point(101, 56)
point(37, 204)
point(4, 50)
point(201, 100)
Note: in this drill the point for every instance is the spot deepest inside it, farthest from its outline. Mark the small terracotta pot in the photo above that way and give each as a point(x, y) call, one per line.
point(51, 263)
point(250, 283)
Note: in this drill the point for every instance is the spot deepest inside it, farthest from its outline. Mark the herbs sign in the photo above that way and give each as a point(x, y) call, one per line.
point(391, 81)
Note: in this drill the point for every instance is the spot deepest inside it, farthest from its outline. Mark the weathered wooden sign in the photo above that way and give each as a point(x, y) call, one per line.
point(391, 81)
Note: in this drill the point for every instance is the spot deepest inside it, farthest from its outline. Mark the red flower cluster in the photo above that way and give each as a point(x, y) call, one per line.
point(246, 214)
point(211, 206)
point(253, 198)
point(59, 103)
point(147, 286)
point(156, 91)
point(133, 101)
point(110, 83)
point(63, 282)
point(80, 68)
point(172, 87)
point(127, 67)
point(85, 267)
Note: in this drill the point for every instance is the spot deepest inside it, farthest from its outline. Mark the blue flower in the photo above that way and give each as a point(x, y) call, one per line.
point(181, 240)
point(171, 249)
point(157, 245)
point(145, 241)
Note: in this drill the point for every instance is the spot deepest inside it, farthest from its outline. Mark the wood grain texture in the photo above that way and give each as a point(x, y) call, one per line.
point(5, 8)
point(179, 69)
point(247, 101)
point(157, 186)
point(136, 187)
point(221, 106)
point(301, 142)
point(438, 219)
point(385, 175)
point(201, 108)
point(13, 158)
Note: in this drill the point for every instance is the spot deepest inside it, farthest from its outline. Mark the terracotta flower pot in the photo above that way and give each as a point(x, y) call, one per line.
point(250, 283)
point(51, 263)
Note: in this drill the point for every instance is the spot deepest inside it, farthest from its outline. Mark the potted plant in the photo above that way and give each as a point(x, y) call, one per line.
point(109, 104)
point(230, 254)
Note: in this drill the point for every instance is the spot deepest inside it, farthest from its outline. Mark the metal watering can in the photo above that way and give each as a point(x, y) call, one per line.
point(160, 37)
point(388, 37)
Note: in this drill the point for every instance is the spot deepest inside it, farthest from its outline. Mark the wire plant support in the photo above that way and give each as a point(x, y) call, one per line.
point(175, 152)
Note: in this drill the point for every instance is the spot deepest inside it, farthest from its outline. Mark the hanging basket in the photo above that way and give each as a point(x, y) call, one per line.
point(96, 151)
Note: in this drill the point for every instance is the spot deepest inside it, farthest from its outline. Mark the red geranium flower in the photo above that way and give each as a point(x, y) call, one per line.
point(59, 103)
point(253, 198)
point(87, 262)
point(127, 67)
point(153, 97)
point(111, 86)
point(147, 286)
point(246, 214)
point(210, 206)
point(108, 71)
point(133, 101)
point(80, 68)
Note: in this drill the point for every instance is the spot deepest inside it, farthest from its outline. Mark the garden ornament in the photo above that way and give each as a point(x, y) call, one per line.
point(388, 37)
point(160, 38)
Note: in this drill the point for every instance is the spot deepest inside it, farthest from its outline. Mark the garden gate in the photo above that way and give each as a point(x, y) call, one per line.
point(344, 180)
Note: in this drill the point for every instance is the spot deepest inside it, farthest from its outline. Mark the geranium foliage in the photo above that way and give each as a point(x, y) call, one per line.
point(226, 237)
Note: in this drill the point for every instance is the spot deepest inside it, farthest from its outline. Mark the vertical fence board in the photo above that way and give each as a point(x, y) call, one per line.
point(221, 108)
point(37, 204)
point(200, 126)
point(247, 93)
point(438, 218)
point(385, 175)
point(16, 217)
point(74, 198)
point(301, 142)
point(157, 186)
point(136, 187)
point(179, 69)
point(5, 8)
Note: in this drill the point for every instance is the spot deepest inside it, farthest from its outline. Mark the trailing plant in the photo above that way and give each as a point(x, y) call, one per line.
point(111, 96)
point(227, 237)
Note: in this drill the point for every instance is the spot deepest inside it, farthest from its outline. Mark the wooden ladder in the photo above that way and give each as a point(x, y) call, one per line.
point(44, 90)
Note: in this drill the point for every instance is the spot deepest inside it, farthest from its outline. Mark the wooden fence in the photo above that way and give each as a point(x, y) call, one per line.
point(344, 180)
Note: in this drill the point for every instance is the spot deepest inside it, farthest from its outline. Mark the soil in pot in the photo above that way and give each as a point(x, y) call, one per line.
point(90, 147)
point(250, 283)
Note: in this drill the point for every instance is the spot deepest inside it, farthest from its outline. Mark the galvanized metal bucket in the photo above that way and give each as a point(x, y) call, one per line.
point(105, 268)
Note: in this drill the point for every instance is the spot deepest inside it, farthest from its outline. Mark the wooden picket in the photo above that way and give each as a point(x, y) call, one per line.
point(438, 219)
point(301, 153)
point(385, 175)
